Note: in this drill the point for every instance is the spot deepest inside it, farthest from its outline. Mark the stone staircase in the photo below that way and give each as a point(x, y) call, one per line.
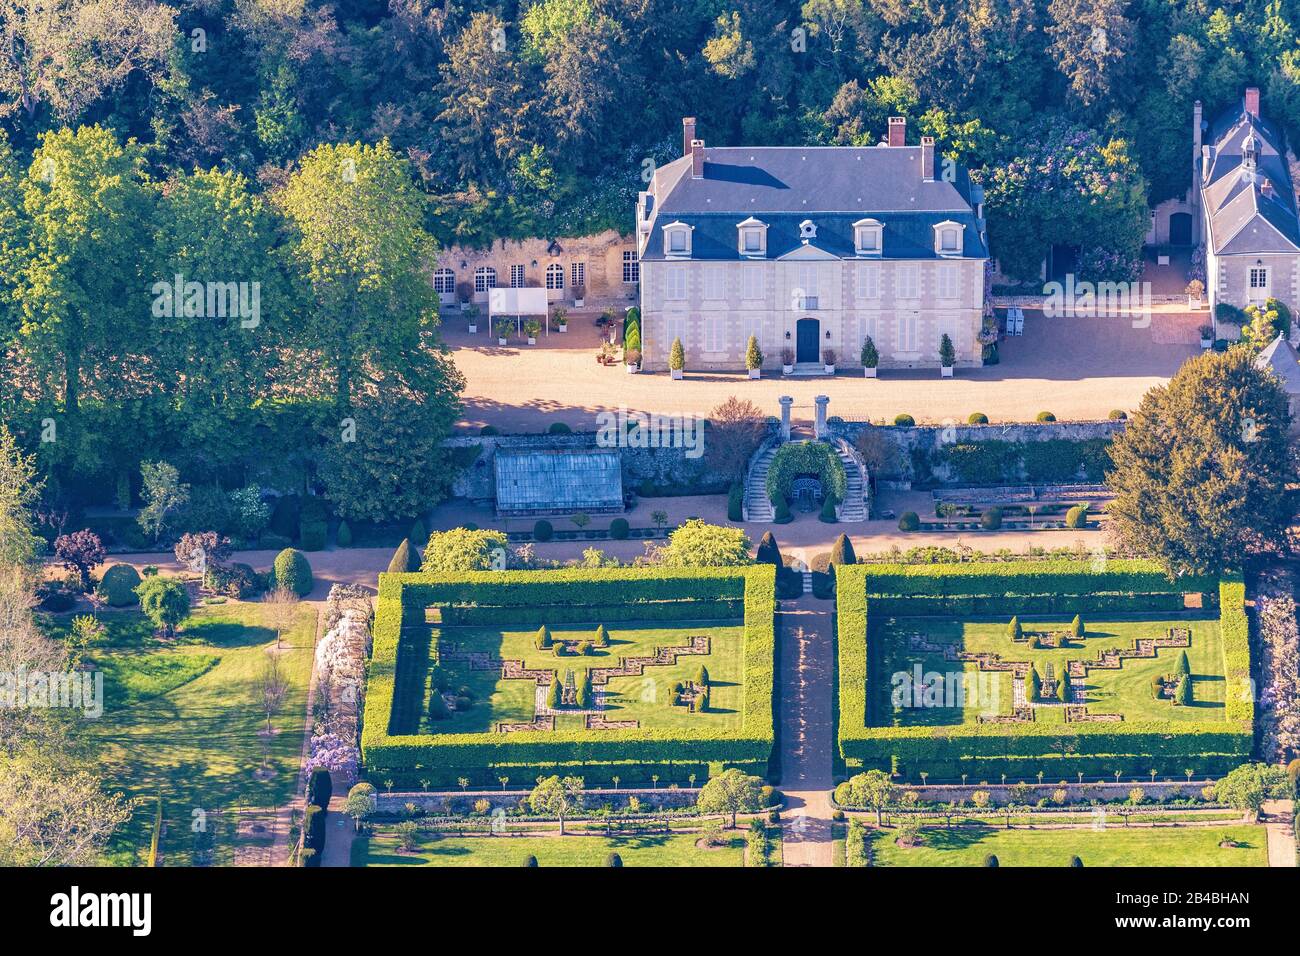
point(854, 507)
point(758, 507)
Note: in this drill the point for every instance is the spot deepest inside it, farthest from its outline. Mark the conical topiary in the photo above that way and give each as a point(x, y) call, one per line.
point(401, 561)
point(1013, 629)
point(344, 535)
point(602, 636)
point(543, 640)
point(768, 552)
point(842, 551)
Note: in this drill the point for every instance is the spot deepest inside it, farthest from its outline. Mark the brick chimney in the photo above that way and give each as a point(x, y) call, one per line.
point(688, 134)
point(1252, 101)
point(927, 159)
point(697, 159)
point(897, 130)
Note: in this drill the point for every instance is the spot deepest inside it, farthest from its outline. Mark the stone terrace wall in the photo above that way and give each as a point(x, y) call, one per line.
point(932, 438)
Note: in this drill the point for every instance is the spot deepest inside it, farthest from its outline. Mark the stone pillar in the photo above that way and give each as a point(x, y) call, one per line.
point(786, 402)
point(819, 422)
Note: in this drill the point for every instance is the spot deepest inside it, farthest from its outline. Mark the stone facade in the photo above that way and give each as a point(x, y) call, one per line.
point(604, 262)
point(723, 307)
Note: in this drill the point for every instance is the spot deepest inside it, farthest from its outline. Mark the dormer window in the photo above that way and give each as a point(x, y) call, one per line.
point(867, 237)
point(677, 239)
point(752, 238)
point(807, 230)
point(947, 239)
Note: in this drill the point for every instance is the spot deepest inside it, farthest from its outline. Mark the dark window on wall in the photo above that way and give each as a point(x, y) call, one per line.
point(485, 277)
point(555, 276)
point(444, 281)
point(579, 274)
point(631, 268)
point(516, 277)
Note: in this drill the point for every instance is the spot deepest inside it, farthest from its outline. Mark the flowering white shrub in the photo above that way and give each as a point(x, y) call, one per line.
point(1279, 699)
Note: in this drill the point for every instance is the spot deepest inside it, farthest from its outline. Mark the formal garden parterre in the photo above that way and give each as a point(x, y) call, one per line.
point(1158, 671)
point(642, 674)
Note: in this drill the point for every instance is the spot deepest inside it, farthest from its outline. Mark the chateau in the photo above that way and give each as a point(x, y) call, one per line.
point(811, 249)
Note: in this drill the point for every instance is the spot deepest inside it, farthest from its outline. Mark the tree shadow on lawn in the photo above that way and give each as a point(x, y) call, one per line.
point(958, 838)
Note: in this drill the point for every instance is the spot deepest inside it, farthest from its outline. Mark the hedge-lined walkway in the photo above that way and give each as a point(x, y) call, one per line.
point(806, 673)
point(1278, 823)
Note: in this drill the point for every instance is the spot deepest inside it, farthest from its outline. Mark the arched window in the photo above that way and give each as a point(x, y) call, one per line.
point(485, 277)
point(444, 281)
point(555, 276)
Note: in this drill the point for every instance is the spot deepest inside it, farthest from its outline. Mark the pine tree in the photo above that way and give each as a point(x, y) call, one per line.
point(1183, 695)
point(1063, 684)
point(1182, 669)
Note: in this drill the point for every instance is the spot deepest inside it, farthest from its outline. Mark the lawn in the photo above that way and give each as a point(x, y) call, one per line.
point(1114, 846)
point(644, 698)
point(662, 850)
point(182, 719)
point(1124, 691)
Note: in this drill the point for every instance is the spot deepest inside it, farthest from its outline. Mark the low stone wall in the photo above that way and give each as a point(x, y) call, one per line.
point(929, 439)
point(649, 472)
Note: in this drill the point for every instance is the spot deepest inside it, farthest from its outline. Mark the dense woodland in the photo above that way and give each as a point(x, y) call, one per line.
point(325, 150)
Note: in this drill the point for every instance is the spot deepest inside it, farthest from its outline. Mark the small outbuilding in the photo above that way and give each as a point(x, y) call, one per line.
point(1282, 359)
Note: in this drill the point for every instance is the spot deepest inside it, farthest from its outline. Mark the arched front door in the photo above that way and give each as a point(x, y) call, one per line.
point(807, 332)
point(1180, 229)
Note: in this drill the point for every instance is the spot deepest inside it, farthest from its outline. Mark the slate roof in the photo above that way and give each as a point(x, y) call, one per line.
point(1281, 356)
point(1243, 221)
point(558, 480)
point(833, 186)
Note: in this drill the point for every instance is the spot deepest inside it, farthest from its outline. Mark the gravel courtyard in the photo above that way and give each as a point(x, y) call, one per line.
point(1079, 369)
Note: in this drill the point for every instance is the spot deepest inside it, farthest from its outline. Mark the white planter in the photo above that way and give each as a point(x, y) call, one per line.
point(577, 303)
point(473, 328)
point(1193, 303)
point(632, 369)
point(755, 373)
point(676, 372)
point(830, 369)
point(532, 340)
point(787, 369)
point(1207, 343)
point(945, 371)
point(500, 341)
point(869, 372)
point(561, 329)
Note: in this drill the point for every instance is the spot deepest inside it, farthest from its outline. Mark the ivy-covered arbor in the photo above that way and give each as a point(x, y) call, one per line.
point(806, 458)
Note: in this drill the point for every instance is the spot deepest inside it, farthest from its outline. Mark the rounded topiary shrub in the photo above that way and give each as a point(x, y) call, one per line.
point(293, 571)
point(1077, 517)
point(909, 522)
point(977, 418)
point(991, 860)
point(828, 510)
point(1046, 417)
point(991, 520)
point(117, 586)
point(559, 428)
point(530, 861)
point(543, 530)
point(904, 420)
point(618, 529)
point(489, 430)
point(613, 860)
point(1118, 415)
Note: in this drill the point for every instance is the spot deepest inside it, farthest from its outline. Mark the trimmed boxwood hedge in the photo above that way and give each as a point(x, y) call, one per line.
point(620, 594)
point(984, 751)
